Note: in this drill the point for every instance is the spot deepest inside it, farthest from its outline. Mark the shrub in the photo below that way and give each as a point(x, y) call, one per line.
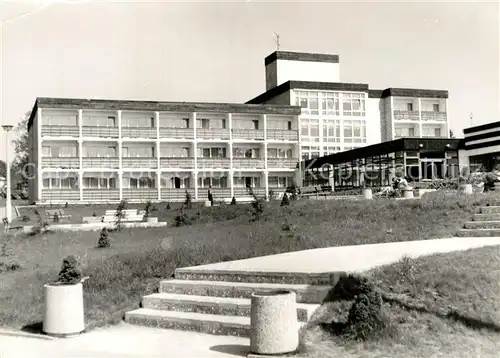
point(66, 205)
point(188, 202)
point(182, 219)
point(10, 266)
point(103, 238)
point(168, 207)
point(349, 287)
point(271, 194)
point(233, 201)
point(25, 218)
point(41, 227)
point(70, 272)
point(366, 318)
point(94, 214)
point(148, 209)
point(56, 218)
point(120, 213)
point(285, 201)
point(256, 208)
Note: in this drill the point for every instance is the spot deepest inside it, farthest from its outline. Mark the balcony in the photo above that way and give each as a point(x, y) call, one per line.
point(171, 194)
point(60, 194)
point(140, 194)
point(93, 162)
point(60, 131)
point(61, 163)
point(434, 116)
point(214, 163)
point(406, 115)
point(146, 162)
point(183, 163)
point(177, 133)
point(254, 134)
point(100, 132)
point(212, 133)
point(248, 163)
point(101, 194)
point(280, 134)
point(281, 163)
point(139, 132)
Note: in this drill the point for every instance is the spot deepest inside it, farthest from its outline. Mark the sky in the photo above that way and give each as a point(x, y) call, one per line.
point(214, 51)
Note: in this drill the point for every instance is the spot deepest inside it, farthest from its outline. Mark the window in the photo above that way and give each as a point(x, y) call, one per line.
point(67, 152)
point(203, 123)
point(309, 101)
point(146, 183)
point(46, 151)
point(255, 124)
point(246, 182)
point(330, 103)
point(404, 132)
point(409, 107)
point(353, 104)
point(174, 152)
point(214, 182)
point(347, 129)
point(289, 127)
point(435, 107)
point(175, 182)
point(279, 182)
point(310, 130)
point(437, 132)
point(331, 150)
point(212, 152)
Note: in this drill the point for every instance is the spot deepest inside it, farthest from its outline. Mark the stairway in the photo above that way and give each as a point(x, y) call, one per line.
point(485, 223)
point(219, 302)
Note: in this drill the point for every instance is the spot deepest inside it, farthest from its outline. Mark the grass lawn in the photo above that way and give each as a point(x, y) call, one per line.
point(139, 258)
point(424, 289)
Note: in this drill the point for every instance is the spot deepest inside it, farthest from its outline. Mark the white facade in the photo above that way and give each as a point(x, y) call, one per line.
point(282, 71)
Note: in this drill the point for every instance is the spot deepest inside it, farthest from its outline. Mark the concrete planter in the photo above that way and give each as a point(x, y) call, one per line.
point(274, 325)
point(467, 189)
point(408, 194)
point(64, 312)
point(367, 193)
point(207, 203)
point(152, 220)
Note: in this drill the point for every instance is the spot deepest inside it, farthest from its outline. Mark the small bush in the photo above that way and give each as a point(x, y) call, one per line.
point(366, 318)
point(233, 201)
point(271, 195)
point(10, 266)
point(149, 208)
point(182, 219)
point(256, 208)
point(70, 272)
point(168, 207)
point(66, 205)
point(103, 239)
point(188, 202)
point(94, 214)
point(55, 219)
point(25, 218)
point(285, 201)
point(120, 213)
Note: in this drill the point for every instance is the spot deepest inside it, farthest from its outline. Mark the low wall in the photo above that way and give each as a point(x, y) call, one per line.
point(97, 226)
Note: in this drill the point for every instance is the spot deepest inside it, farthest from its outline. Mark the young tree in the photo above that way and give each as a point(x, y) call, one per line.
point(188, 202)
point(21, 144)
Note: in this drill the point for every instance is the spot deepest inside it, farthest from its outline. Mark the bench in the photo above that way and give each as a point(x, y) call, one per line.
point(314, 190)
point(51, 214)
point(245, 199)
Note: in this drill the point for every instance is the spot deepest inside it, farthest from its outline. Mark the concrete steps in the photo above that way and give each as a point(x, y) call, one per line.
point(490, 210)
point(213, 305)
point(486, 217)
point(482, 225)
point(220, 307)
point(485, 223)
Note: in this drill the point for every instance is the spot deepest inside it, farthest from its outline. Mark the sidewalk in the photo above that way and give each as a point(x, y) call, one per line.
point(126, 341)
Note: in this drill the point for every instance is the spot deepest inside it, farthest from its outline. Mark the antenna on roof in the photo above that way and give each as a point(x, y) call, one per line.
point(277, 41)
point(471, 116)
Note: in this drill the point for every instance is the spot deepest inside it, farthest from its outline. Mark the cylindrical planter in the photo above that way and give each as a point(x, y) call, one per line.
point(367, 193)
point(467, 188)
point(274, 325)
point(208, 203)
point(408, 194)
point(152, 220)
point(64, 312)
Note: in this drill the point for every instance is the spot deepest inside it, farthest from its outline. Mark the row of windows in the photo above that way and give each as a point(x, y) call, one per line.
point(410, 132)
point(149, 122)
point(408, 106)
point(177, 152)
point(169, 183)
point(333, 130)
point(331, 103)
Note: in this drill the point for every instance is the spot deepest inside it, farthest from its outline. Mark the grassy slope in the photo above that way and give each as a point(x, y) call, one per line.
point(139, 258)
point(467, 282)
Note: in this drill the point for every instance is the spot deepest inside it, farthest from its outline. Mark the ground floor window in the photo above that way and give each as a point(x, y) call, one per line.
point(212, 182)
point(139, 182)
point(246, 182)
point(279, 182)
point(60, 181)
point(176, 182)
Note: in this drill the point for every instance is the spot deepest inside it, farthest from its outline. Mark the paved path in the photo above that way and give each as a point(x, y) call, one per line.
point(348, 258)
point(126, 341)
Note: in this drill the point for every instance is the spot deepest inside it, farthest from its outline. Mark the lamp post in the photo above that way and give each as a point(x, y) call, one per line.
point(8, 205)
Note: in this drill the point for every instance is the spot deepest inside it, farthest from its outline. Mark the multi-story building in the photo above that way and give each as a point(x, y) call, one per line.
point(103, 150)
point(340, 116)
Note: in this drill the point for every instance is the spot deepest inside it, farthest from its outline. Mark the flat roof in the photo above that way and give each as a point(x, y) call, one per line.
point(397, 145)
point(134, 105)
point(343, 86)
point(482, 127)
point(301, 56)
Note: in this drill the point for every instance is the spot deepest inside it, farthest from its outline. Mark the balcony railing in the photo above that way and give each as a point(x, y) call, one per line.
point(140, 194)
point(60, 194)
point(280, 134)
point(281, 163)
point(181, 133)
point(217, 193)
point(171, 194)
point(100, 132)
point(212, 133)
point(61, 163)
point(146, 162)
point(406, 115)
point(248, 163)
point(140, 132)
point(214, 163)
point(255, 134)
point(101, 194)
point(60, 131)
point(109, 162)
point(183, 163)
point(434, 116)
